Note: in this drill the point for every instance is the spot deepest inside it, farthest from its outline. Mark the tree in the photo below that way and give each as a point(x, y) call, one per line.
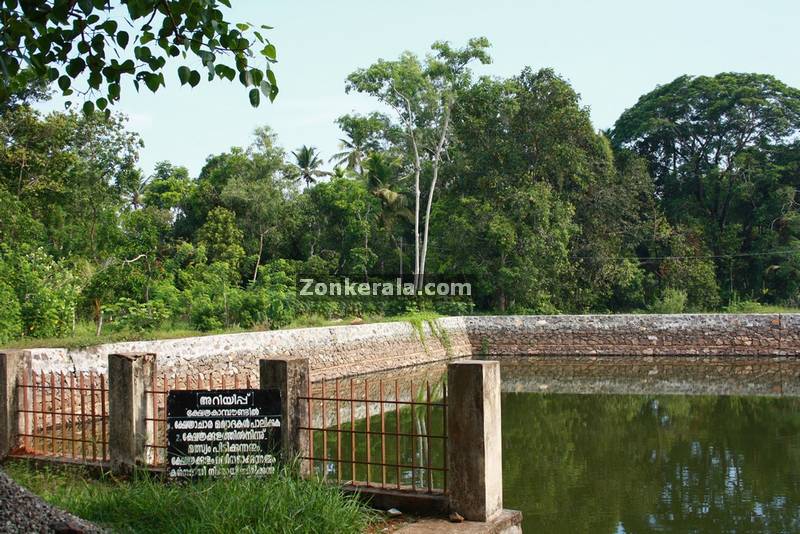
point(383, 181)
point(422, 96)
point(717, 147)
point(308, 164)
point(85, 46)
point(259, 197)
point(341, 220)
point(67, 172)
point(364, 135)
point(222, 239)
point(510, 135)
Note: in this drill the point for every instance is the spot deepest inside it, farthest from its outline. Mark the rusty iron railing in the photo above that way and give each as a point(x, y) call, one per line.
point(63, 416)
point(387, 434)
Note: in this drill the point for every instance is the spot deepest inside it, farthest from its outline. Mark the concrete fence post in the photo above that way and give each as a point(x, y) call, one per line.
point(291, 377)
point(12, 364)
point(474, 457)
point(128, 377)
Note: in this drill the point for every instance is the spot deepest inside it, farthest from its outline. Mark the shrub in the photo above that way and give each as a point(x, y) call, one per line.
point(671, 301)
point(10, 319)
point(46, 290)
point(127, 314)
point(454, 307)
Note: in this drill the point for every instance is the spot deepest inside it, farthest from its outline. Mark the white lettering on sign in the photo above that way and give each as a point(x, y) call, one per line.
point(225, 400)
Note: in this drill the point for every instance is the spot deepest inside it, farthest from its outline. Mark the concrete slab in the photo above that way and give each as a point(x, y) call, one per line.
point(503, 522)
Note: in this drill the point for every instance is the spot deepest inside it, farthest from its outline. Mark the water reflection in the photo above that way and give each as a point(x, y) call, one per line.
point(641, 463)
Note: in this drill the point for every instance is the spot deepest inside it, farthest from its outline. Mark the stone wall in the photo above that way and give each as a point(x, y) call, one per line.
point(332, 351)
point(676, 335)
point(351, 350)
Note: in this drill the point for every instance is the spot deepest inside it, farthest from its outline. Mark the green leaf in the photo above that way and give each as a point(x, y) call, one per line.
point(194, 78)
point(269, 51)
point(109, 26)
point(122, 39)
point(102, 103)
point(255, 98)
point(266, 88)
point(152, 81)
point(86, 6)
point(64, 82)
point(183, 74)
point(75, 67)
point(256, 76)
point(88, 107)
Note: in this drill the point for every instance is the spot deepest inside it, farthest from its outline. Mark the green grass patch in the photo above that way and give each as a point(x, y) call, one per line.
point(84, 336)
point(283, 503)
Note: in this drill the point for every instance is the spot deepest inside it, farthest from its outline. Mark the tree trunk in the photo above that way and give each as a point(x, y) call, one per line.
point(437, 158)
point(258, 260)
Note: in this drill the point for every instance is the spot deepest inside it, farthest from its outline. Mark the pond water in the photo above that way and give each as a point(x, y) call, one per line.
point(632, 463)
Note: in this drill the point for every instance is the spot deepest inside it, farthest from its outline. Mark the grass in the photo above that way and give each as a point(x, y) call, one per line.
point(84, 335)
point(283, 503)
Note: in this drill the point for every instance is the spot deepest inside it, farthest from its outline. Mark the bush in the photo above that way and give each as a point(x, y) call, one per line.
point(671, 301)
point(46, 291)
point(10, 318)
point(205, 314)
point(454, 307)
point(127, 314)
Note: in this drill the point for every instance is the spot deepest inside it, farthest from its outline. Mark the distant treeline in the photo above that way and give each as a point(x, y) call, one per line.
point(691, 202)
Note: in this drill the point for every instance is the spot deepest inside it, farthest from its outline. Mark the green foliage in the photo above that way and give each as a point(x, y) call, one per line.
point(46, 292)
point(281, 503)
point(10, 314)
point(127, 314)
point(501, 182)
point(221, 237)
point(671, 301)
point(723, 153)
point(81, 46)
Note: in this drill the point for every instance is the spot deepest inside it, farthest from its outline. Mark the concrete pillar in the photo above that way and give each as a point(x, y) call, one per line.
point(128, 377)
point(12, 363)
point(474, 447)
point(291, 377)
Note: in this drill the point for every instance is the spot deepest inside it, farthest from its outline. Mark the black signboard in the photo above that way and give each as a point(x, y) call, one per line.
point(223, 432)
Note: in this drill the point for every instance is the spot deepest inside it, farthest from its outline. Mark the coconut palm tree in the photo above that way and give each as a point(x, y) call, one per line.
point(351, 155)
point(383, 181)
point(308, 164)
point(363, 136)
point(340, 173)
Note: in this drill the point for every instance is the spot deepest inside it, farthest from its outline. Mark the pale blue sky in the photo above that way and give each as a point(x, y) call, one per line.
point(611, 52)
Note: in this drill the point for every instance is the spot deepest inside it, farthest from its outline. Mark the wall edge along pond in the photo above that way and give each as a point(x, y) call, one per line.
point(342, 351)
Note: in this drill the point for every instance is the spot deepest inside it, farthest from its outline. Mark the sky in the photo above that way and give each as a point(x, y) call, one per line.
point(611, 52)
